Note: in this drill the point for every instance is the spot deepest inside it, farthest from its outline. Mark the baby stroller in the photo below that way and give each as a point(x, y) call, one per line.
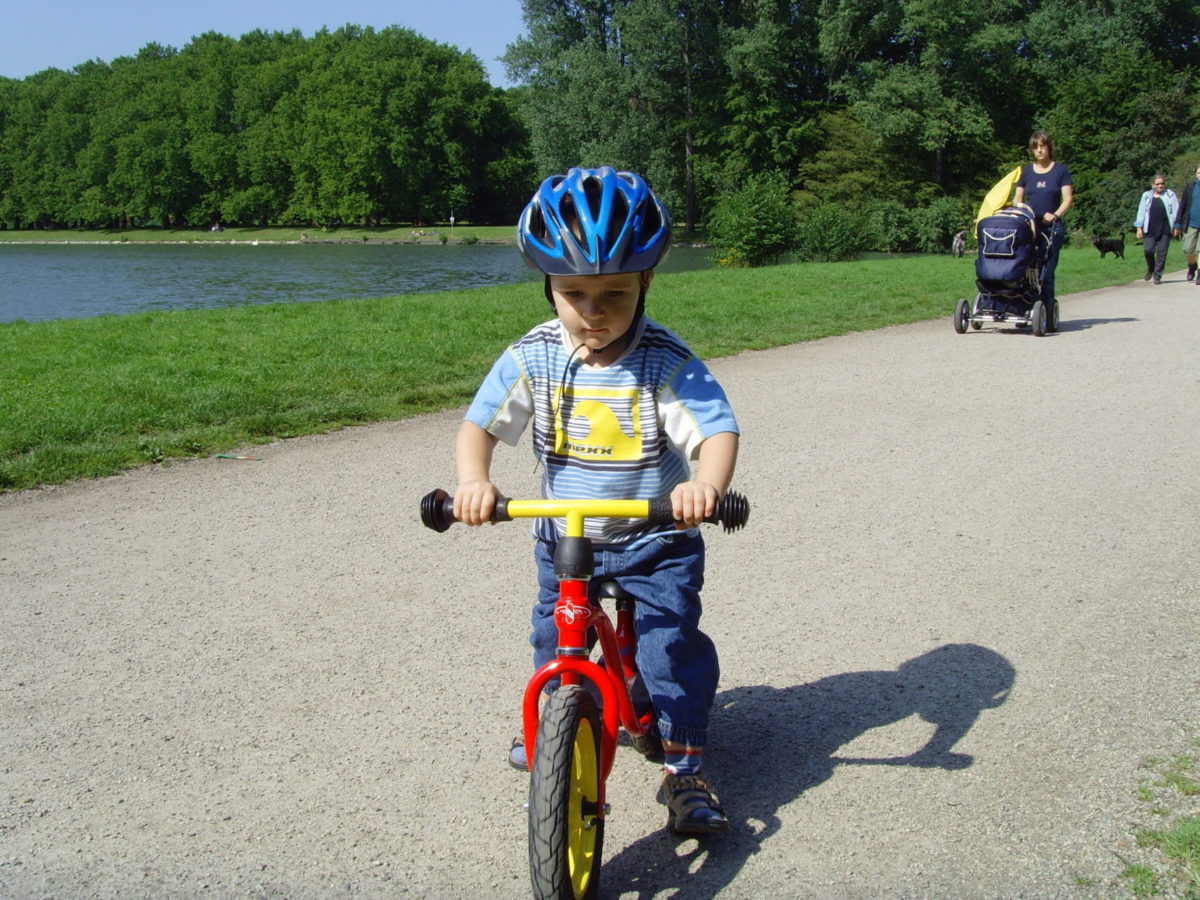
point(1008, 272)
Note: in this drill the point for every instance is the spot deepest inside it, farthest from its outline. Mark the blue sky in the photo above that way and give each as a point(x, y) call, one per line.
point(44, 34)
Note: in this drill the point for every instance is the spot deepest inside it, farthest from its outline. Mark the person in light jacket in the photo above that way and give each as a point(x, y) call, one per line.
point(1155, 215)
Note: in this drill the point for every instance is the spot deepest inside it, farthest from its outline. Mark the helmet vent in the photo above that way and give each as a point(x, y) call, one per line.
point(616, 221)
point(652, 222)
point(537, 224)
point(593, 189)
point(569, 216)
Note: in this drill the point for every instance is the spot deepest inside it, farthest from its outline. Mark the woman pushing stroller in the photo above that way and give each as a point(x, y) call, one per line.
point(1045, 185)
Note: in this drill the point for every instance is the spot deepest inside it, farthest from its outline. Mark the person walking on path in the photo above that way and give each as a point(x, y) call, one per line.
point(1156, 211)
point(1187, 223)
point(1046, 186)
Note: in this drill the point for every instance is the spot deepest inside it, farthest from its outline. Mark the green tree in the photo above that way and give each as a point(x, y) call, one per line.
point(264, 120)
point(9, 91)
point(42, 136)
point(354, 125)
point(27, 191)
point(630, 84)
point(850, 101)
point(208, 68)
point(770, 104)
point(848, 166)
point(142, 123)
point(508, 176)
point(755, 224)
point(831, 233)
point(928, 75)
point(1125, 101)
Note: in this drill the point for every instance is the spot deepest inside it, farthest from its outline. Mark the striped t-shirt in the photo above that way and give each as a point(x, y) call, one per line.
point(623, 431)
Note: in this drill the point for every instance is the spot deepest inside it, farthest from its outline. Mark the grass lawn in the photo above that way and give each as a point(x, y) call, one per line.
point(89, 397)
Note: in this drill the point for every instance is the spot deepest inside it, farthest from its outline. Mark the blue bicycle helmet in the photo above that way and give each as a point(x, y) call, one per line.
point(594, 222)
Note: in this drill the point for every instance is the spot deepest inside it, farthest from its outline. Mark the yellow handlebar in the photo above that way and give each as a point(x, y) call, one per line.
point(437, 511)
point(575, 511)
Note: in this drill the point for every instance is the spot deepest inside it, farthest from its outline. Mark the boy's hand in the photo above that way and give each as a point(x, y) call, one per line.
point(694, 501)
point(474, 502)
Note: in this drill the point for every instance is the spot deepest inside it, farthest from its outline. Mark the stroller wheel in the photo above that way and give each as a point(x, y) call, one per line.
point(1037, 318)
point(975, 323)
point(962, 315)
point(1052, 318)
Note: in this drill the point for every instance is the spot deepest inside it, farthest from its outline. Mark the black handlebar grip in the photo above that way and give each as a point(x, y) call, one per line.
point(437, 510)
point(500, 513)
point(733, 511)
point(660, 511)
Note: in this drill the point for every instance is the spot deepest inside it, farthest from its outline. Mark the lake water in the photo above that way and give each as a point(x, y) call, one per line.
point(57, 281)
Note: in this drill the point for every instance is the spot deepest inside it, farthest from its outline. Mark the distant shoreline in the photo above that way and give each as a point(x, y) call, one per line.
point(216, 242)
point(429, 235)
point(251, 242)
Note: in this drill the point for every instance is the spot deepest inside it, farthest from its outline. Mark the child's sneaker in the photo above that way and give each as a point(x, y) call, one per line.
point(516, 755)
point(692, 805)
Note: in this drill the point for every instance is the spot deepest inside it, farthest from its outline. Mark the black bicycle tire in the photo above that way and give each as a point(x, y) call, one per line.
point(569, 716)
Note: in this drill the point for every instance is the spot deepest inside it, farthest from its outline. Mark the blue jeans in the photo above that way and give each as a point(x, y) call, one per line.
point(1056, 235)
point(677, 661)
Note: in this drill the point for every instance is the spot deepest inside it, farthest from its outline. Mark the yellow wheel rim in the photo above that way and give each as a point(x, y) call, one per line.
point(583, 808)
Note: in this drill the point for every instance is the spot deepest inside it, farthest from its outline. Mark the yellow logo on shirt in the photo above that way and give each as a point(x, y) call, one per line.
point(600, 423)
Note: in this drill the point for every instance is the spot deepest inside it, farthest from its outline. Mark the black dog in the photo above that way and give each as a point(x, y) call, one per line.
point(1108, 245)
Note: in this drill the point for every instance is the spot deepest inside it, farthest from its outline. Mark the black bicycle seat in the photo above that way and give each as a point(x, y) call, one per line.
point(613, 591)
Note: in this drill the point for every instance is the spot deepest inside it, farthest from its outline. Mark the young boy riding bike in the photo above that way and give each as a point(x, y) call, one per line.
point(619, 407)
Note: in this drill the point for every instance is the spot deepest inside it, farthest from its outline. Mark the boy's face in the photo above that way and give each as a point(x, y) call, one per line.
point(598, 309)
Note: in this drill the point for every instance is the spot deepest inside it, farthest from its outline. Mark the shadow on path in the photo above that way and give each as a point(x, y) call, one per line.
point(1085, 324)
point(1064, 326)
point(779, 742)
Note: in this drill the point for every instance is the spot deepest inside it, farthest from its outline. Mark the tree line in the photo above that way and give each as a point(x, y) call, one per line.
point(899, 114)
point(882, 109)
point(351, 126)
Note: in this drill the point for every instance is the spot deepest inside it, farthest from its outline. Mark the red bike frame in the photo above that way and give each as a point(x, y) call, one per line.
point(575, 616)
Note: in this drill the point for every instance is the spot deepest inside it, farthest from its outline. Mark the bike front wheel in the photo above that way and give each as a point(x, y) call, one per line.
point(566, 823)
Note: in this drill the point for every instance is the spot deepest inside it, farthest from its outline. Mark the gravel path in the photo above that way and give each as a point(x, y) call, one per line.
point(964, 613)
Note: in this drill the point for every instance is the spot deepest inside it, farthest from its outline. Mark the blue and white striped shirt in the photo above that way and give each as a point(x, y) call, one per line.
point(623, 431)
